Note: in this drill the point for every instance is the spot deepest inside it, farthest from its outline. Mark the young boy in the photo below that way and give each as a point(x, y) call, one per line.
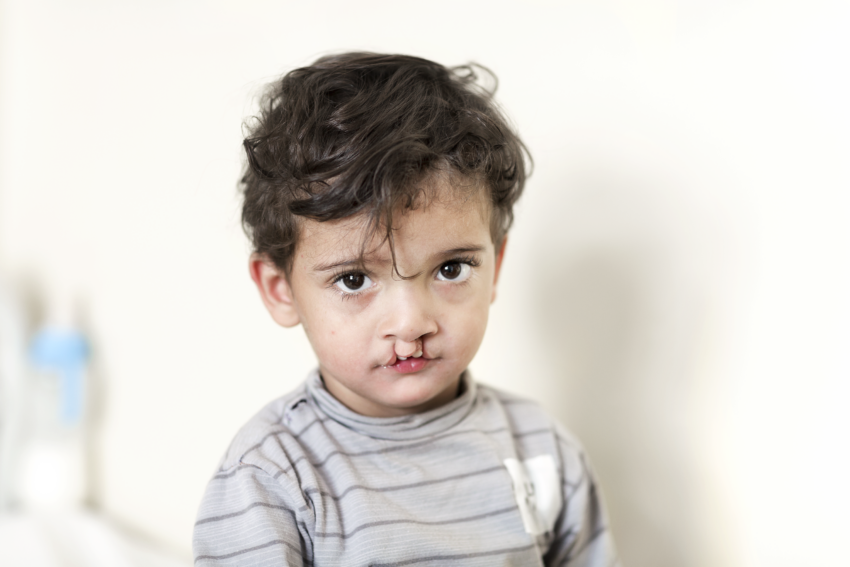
point(378, 193)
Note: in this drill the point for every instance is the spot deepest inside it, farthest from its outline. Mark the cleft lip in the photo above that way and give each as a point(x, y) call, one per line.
point(417, 354)
point(395, 358)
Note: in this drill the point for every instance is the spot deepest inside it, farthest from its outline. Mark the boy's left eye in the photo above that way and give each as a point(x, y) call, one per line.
point(454, 272)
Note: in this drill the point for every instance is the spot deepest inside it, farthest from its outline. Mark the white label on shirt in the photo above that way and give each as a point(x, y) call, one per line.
point(537, 490)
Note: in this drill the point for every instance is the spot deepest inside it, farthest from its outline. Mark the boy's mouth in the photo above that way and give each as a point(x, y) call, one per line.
point(406, 364)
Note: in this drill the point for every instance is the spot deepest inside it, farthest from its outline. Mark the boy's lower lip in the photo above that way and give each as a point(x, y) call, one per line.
point(409, 365)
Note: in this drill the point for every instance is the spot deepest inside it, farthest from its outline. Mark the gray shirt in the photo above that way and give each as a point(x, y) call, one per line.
point(488, 479)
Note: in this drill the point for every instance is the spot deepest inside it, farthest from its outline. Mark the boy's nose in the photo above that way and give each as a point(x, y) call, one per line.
point(408, 318)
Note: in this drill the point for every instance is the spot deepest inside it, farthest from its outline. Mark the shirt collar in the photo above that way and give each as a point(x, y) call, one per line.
point(413, 426)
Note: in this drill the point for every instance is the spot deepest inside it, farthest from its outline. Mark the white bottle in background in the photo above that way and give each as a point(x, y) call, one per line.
point(52, 472)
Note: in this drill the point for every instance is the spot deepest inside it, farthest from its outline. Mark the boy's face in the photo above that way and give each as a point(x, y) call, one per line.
point(367, 325)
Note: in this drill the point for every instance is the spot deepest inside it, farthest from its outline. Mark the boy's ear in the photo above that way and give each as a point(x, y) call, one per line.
point(500, 255)
point(274, 289)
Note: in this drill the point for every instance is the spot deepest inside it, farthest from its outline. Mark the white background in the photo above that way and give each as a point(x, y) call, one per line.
point(675, 288)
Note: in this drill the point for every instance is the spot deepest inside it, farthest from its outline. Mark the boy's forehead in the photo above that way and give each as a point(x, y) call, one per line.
point(442, 216)
point(318, 239)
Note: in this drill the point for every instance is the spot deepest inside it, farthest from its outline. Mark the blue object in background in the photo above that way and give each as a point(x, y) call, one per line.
point(66, 352)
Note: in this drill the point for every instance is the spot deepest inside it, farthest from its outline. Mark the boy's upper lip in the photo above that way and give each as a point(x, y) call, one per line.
point(394, 357)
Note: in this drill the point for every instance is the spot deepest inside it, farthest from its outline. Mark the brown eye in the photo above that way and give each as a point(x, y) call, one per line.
point(450, 271)
point(454, 271)
point(353, 281)
point(349, 283)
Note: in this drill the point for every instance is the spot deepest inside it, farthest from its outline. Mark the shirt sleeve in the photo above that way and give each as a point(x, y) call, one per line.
point(582, 537)
point(246, 518)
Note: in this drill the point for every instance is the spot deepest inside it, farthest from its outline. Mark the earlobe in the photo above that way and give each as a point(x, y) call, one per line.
point(500, 255)
point(274, 289)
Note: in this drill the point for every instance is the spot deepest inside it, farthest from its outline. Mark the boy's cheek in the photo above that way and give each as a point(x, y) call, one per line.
point(340, 342)
point(474, 295)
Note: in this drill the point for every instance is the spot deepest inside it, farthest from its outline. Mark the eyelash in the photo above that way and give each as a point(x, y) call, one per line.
point(343, 294)
point(471, 260)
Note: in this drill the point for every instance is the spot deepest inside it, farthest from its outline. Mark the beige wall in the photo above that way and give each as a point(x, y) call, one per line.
point(676, 284)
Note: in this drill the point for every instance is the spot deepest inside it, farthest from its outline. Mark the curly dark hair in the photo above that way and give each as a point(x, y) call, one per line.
point(356, 132)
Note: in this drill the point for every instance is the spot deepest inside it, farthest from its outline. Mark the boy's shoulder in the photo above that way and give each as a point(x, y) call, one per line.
point(273, 420)
point(535, 431)
point(524, 414)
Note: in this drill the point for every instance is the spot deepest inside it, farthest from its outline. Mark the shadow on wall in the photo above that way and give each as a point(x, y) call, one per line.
point(618, 306)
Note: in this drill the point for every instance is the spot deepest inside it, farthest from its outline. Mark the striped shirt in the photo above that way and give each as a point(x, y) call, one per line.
point(485, 480)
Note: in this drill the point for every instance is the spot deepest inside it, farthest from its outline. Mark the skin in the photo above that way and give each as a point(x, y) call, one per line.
point(360, 317)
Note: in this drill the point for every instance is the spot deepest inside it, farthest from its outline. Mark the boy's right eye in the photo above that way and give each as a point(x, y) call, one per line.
point(353, 282)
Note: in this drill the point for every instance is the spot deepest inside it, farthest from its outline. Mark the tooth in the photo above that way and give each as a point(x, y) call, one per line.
point(402, 358)
point(417, 354)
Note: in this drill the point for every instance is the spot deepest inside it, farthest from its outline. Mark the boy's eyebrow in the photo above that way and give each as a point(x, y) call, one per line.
point(462, 250)
point(353, 263)
point(359, 263)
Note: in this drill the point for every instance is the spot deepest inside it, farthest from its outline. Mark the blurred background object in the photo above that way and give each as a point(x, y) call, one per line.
point(47, 514)
point(675, 288)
